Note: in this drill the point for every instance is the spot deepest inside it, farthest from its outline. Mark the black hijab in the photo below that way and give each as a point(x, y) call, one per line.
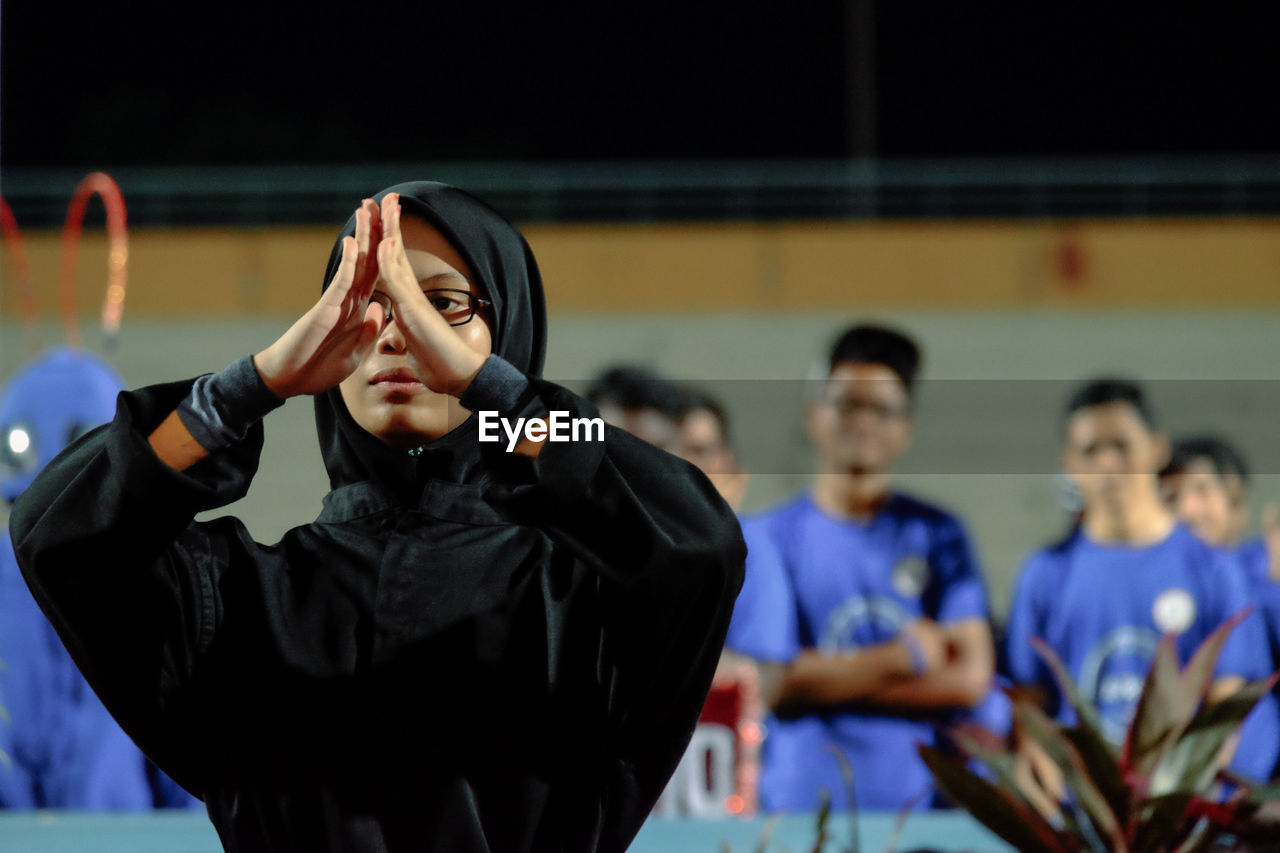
point(506, 274)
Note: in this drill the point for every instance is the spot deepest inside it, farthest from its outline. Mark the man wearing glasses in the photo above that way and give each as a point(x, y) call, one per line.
point(873, 599)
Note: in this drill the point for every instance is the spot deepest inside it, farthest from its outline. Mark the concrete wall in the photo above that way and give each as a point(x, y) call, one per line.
point(986, 439)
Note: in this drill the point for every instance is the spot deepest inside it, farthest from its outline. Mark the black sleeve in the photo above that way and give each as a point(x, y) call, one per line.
point(669, 551)
point(106, 541)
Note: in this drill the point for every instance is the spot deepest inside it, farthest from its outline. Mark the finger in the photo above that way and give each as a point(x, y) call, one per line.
point(370, 329)
point(376, 315)
point(397, 274)
point(336, 292)
point(362, 247)
point(370, 279)
point(391, 216)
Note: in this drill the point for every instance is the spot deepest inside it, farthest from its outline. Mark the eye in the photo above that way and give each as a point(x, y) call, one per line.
point(18, 453)
point(445, 303)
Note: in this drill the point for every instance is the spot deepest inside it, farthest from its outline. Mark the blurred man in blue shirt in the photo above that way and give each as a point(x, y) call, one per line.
point(1126, 575)
point(871, 597)
point(1206, 484)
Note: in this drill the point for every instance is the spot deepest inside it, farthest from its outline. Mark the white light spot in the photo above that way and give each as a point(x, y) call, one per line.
point(19, 441)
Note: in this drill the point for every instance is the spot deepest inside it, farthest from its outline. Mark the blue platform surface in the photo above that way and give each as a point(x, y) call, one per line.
point(185, 832)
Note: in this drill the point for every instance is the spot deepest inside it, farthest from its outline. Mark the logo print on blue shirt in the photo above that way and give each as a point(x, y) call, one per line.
point(909, 576)
point(1112, 675)
point(862, 620)
point(1174, 611)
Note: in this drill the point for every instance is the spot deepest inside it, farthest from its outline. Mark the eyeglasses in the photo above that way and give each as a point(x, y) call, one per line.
point(457, 307)
point(849, 406)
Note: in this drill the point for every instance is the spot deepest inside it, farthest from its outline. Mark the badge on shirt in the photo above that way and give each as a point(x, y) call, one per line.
point(909, 576)
point(1174, 610)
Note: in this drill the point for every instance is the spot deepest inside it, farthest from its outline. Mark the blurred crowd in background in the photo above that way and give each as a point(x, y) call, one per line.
point(1052, 199)
point(864, 626)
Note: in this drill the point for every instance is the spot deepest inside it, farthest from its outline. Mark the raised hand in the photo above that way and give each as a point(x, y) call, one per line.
point(327, 343)
point(446, 363)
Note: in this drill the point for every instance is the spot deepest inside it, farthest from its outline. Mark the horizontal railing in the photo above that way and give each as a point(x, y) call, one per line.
point(685, 191)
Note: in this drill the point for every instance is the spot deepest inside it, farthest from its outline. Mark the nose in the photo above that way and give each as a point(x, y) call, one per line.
point(1112, 461)
point(391, 339)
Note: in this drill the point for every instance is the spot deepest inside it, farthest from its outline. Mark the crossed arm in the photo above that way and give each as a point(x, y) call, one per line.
point(958, 665)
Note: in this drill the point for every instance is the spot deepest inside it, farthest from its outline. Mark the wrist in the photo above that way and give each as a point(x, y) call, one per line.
point(223, 407)
point(265, 364)
point(918, 661)
point(460, 385)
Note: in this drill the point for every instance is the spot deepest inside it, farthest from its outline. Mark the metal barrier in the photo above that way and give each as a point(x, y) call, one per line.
point(689, 190)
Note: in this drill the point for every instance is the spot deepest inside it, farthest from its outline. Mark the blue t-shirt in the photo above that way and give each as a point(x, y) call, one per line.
point(1104, 608)
point(1255, 558)
point(65, 751)
point(817, 581)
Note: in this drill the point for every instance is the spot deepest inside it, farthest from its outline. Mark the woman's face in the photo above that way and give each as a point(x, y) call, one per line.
point(385, 394)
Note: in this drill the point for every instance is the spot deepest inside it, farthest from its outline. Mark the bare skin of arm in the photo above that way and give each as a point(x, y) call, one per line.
point(960, 661)
point(328, 342)
point(961, 682)
point(818, 680)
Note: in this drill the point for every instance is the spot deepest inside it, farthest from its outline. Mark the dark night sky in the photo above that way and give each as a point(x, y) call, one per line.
point(257, 84)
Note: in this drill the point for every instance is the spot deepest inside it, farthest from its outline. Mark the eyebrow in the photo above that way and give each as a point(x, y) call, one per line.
point(443, 275)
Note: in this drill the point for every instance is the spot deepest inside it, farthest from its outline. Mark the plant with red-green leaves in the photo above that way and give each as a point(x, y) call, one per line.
point(1163, 791)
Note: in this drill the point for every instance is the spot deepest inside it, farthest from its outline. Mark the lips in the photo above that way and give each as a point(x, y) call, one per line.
point(396, 377)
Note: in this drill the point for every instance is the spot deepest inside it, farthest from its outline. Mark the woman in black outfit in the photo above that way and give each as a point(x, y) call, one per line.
point(469, 649)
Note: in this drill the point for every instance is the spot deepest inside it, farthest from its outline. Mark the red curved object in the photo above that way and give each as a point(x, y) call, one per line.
point(18, 257)
point(101, 184)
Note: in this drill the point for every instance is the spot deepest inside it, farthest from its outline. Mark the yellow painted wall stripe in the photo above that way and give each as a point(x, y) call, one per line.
point(738, 266)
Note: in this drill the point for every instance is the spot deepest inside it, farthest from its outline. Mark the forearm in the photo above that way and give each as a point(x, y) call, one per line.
point(218, 412)
point(954, 685)
point(816, 679)
point(174, 445)
point(111, 496)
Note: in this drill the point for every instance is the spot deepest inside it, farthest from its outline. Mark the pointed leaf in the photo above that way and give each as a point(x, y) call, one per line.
point(1086, 713)
point(1262, 794)
point(1101, 764)
point(994, 808)
point(1165, 710)
point(1160, 822)
point(1191, 764)
point(1161, 712)
point(1197, 676)
point(976, 742)
point(1036, 725)
point(1204, 834)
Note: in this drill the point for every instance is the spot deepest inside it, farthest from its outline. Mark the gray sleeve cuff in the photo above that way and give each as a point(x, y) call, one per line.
point(498, 386)
point(223, 407)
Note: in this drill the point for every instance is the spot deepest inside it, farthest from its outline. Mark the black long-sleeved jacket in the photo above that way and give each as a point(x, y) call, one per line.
point(478, 652)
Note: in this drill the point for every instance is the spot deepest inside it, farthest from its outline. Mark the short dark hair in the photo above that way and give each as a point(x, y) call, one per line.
point(632, 387)
point(1100, 392)
point(700, 401)
point(878, 345)
point(1225, 458)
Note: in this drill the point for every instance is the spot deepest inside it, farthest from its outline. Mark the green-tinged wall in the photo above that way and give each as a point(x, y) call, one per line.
point(986, 441)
